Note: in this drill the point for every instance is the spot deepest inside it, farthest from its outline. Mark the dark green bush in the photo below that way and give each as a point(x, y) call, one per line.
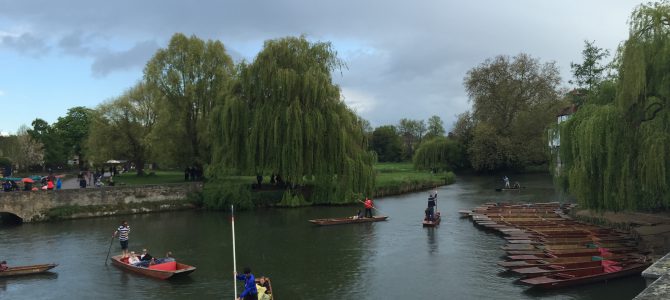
point(221, 194)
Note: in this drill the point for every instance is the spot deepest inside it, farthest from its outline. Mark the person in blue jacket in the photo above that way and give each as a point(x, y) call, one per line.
point(250, 292)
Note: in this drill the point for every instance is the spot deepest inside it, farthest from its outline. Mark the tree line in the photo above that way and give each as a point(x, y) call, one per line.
point(281, 114)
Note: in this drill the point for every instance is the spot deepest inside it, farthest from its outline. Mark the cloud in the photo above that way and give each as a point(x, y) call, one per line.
point(359, 101)
point(405, 59)
point(138, 55)
point(26, 44)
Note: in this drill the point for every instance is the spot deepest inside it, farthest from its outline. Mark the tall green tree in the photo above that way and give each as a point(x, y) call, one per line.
point(411, 132)
point(435, 127)
point(616, 154)
point(73, 130)
point(509, 95)
point(193, 76)
point(30, 152)
point(55, 152)
point(121, 127)
point(387, 144)
point(590, 72)
point(439, 154)
point(288, 117)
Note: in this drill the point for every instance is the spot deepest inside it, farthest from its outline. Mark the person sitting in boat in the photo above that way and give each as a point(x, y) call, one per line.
point(358, 215)
point(368, 207)
point(250, 292)
point(517, 185)
point(146, 259)
point(132, 258)
point(3, 266)
point(168, 258)
point(263, 288)
point(506, 182)
point(145, 256)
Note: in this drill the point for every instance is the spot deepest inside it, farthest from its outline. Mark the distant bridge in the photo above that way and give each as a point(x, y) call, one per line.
point(33, 206)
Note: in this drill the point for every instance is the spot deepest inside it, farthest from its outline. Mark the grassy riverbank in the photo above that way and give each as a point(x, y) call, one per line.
point(391, 179)
point(399, 178)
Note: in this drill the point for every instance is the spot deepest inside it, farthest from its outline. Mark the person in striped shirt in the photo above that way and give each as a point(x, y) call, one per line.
point(123, 231)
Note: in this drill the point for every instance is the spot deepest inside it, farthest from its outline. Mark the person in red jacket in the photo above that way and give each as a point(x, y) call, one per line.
point(368, 207)
point(50, 185)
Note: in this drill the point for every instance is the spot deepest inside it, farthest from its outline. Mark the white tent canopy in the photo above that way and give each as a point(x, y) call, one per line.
point(114, 161)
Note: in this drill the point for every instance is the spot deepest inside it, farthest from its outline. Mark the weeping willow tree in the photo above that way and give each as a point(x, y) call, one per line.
point(285, 116)
point(439, 154)
point(617, 155)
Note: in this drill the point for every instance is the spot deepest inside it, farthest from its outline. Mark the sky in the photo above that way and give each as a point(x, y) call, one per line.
point(405, 59)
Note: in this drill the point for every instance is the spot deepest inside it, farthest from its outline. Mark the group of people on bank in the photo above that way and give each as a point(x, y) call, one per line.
point(50, 182)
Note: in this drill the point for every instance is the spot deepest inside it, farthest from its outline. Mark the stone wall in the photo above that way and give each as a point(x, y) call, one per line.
point(36, 205)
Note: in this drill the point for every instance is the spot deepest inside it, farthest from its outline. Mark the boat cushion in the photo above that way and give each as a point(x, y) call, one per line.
point(168, 266)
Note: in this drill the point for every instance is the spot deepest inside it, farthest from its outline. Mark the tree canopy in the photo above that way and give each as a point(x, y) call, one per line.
point(193, 76)
point(387, 144)
point(616, 154)
point(513, 103)
point(51, 141)
point(285, 116)
point(439, 154)
point(435, 128)
point(121, 127)
point(73, 130)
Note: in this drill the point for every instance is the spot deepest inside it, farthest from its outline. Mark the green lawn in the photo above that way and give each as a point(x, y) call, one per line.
point(392, 174)
point(388, 174)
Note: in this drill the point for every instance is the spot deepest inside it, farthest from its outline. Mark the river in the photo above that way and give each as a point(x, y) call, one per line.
point(397, 259)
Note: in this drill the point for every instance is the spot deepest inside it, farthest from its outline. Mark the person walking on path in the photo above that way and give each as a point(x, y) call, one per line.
point(123, 231)
point(250, 292)
point(368, 207)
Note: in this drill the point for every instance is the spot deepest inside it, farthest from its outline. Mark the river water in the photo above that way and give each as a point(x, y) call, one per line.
point(397, 259)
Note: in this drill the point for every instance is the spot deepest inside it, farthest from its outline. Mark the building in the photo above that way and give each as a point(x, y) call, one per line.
point(555, 133)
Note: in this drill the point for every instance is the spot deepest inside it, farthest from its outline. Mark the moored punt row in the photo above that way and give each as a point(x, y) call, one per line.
point(552, 250)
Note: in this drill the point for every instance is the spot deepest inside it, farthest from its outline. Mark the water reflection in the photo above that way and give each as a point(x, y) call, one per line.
point(432, 240)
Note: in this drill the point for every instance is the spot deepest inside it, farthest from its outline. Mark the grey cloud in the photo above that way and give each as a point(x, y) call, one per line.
point(136, 56)
point(416, 55)
point(26, 44)
point(76, 44)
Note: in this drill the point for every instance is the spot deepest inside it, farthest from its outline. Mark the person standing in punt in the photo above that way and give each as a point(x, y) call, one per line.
point(432, 202)
point(368, 207)
point(250, 292)
point(123, 231)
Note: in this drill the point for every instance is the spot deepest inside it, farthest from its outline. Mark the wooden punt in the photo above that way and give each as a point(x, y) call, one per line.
point(577, 277)
point(512, 264)
point(27, 270)
point(159, 271)
point(465, 213)
point(348, 220)
point(432, 223)
point(507, 189)
point(529, 255)
point(550, 269)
